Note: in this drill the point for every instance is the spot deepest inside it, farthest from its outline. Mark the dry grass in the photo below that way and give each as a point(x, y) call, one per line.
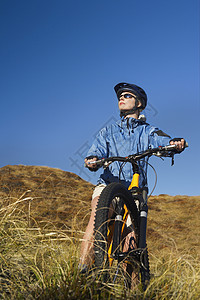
point(43, 213)
point(174, 224)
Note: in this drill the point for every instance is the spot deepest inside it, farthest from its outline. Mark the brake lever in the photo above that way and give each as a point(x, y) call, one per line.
point(107, 164)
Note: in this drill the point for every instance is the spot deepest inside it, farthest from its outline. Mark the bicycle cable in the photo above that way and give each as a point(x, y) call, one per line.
point(156, 177)
point(120, 169)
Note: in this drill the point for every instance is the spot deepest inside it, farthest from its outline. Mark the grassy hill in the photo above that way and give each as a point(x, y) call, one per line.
point(43, 214)
point(47, 195)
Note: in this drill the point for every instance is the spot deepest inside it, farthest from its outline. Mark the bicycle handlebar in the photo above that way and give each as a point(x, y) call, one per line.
point(165, 151)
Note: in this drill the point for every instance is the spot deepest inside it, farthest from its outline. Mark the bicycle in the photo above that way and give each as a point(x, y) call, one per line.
point(115, 206)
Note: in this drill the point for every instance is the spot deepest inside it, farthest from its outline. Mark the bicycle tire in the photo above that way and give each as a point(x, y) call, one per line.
point(102, 222)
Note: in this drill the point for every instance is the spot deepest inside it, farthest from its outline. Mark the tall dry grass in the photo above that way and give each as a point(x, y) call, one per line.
point(42, 263)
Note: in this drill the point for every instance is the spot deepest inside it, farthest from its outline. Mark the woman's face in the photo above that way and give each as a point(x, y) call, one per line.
point(126, 101)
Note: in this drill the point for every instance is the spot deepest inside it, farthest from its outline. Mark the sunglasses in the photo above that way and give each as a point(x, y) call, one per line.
point(126, 96)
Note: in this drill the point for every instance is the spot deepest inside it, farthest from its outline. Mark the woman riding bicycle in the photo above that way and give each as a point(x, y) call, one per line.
point(127, 136)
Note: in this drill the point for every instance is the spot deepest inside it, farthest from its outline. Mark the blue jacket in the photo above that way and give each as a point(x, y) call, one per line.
point(125, 137)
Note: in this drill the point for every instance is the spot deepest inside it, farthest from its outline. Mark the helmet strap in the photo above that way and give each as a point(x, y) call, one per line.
point(126, 112)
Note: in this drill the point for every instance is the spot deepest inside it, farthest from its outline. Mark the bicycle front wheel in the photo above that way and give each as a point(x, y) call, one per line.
point(115, 238)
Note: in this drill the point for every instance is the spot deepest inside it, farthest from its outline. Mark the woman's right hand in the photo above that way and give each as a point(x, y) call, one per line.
point(91, 167)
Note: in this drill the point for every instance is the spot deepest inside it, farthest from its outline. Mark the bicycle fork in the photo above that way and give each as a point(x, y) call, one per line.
point(143, 211)
point(143, 207)
point(143, 220)
point(120, 220)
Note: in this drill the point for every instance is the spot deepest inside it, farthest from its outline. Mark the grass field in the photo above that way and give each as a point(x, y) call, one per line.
point(43, 214)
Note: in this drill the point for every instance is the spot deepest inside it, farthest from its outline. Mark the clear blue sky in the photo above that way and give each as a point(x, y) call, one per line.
point(59, 61)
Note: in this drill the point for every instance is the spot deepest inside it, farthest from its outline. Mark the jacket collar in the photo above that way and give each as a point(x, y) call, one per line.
point(130, 120)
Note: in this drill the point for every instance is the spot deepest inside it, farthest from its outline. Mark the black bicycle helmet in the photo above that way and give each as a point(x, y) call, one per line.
point(136, 90)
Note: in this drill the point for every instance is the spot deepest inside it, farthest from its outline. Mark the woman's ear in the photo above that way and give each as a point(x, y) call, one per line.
point(139, 104)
